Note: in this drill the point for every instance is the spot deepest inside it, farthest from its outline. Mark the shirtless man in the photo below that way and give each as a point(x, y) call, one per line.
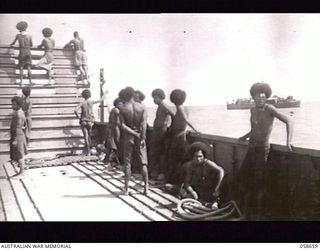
point(158, 136)
point(48, 44)
point(25, 43)
point(80, 58)
point(203, 177)
point(133, 120)
point(18, 143)
point(177, 137)
point(252, 175)
point(87, 117)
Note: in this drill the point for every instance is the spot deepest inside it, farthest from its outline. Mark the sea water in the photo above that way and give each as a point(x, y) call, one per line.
point(217, 120)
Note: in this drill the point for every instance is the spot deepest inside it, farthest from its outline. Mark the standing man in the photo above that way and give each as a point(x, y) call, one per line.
point(25, 43)
point(159, 132)
point(80, 57)
point(133, 120)
point(252, 175)
point(48, 44)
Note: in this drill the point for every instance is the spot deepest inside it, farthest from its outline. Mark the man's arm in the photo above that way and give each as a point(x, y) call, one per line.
point(143, 124)
point(167, 108)
point(41, 45)
point(126, 128)
point(14, 41)
point(285, 119)
point(102, 97)
point(220, 171)
point(187, 180)
point(76, 110)
point(69, 44)
point(244, 137)
point(185, 117)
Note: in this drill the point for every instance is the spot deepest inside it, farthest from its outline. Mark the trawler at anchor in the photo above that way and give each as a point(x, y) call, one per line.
point(278, 102)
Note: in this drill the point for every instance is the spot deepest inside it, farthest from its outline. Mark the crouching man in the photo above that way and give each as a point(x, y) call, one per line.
point(203, 178)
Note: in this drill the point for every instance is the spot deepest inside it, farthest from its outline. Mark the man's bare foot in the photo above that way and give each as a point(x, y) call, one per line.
point(126, 192)
point(146, 191)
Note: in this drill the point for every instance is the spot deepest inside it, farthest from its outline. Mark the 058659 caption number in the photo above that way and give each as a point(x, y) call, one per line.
point(308, 245)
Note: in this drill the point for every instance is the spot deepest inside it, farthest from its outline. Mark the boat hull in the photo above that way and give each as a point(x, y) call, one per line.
point(295, 104)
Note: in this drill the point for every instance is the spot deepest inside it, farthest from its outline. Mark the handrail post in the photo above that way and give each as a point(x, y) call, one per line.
point(101, 94)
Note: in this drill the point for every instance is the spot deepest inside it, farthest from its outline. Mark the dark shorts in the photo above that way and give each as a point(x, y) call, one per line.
point(80, 58)
point(253, 172)
point(86, 124)
point(157, 145)
point(25, 58)
point(19, 149)
point(132, 146)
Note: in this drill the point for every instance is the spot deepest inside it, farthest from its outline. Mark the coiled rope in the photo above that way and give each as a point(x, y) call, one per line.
point(58, 161)
point(190, 209)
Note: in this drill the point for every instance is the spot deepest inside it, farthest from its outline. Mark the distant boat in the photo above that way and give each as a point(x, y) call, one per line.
point(278, 102)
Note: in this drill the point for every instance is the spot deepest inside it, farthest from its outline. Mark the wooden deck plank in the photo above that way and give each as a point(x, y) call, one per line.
point(157, 190)
point(157, 194)
point(25, 201)
point(9, 200)
point(106, 182)
point(71, 196)
point(151, 203)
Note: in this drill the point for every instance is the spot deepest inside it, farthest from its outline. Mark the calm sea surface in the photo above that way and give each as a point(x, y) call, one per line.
point(217, 120)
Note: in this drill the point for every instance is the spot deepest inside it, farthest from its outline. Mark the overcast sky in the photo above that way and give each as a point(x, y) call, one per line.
point(213, 57)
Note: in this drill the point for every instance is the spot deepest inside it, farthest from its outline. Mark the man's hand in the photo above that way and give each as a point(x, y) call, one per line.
point(216, 194)
point(142, 143)
point(242, 139)
point(289, 146)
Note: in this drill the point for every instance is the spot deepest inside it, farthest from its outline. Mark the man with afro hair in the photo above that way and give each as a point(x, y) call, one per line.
point(252, 174)
point(133, 119)
point(203, 177)
point(18, 144)
point(87, 117)
point(25, 43)
point(47, 60)
point(177, 137)
point(139, 96)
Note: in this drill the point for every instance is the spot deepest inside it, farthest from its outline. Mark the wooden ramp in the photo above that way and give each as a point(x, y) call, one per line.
point(55, 128)
point(80, 192)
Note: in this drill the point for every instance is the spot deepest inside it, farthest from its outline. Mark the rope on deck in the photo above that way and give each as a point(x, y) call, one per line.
point(59, 161)
point(190, 209)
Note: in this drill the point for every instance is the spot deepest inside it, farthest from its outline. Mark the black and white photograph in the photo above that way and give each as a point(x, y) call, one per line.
point(159, 117)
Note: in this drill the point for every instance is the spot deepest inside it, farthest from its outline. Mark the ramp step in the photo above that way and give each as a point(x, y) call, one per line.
point(48, 144)
point(41, 123)
point(41, 111)
point(47, 100)
point(47, 132)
